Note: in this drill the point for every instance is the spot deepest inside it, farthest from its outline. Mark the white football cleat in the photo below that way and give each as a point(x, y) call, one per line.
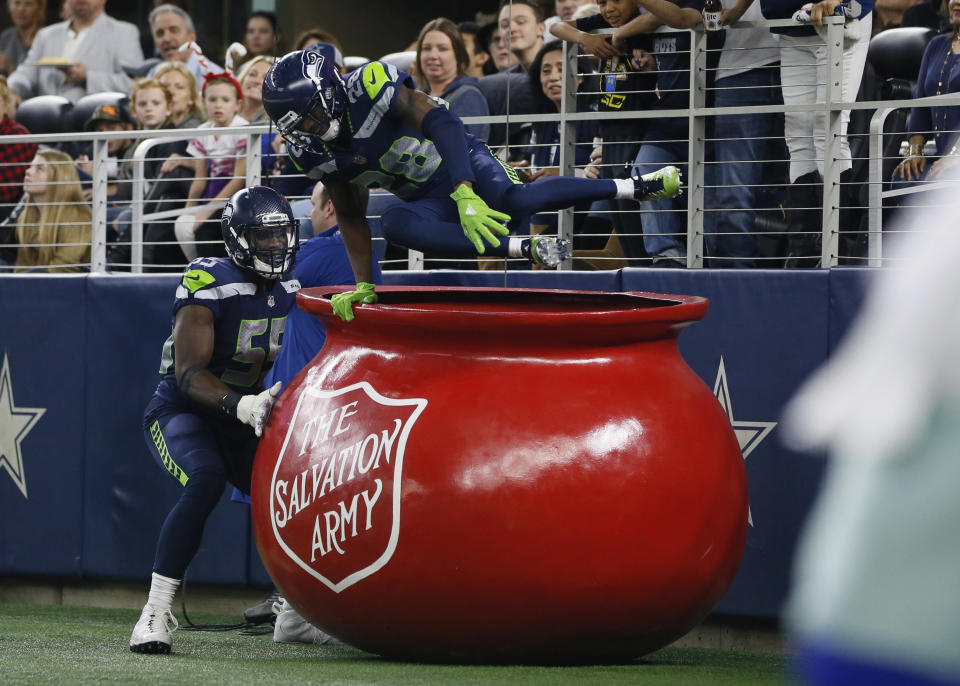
point(290, 627)
point(152, 631)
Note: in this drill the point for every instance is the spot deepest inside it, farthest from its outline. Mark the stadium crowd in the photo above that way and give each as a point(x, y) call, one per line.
point(763, 173)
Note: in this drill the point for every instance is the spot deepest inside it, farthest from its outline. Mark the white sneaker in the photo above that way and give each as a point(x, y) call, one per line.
point(290, 627)
point(152, 631)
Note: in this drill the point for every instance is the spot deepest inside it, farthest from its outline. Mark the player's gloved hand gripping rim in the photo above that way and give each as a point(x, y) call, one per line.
point(342, 303)
point(477, 219)
point(253, 409)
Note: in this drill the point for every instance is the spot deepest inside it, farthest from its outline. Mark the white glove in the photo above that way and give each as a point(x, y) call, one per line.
point(255, 409)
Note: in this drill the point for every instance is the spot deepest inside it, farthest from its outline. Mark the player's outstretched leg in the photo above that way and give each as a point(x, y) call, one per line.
point(662, 183)
point(431, 225)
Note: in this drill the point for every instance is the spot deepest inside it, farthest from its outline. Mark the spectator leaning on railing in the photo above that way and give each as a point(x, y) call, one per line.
point(54, 229)
point(627, 79)
point(84, 54)
point(803, 76)
point(739, 182)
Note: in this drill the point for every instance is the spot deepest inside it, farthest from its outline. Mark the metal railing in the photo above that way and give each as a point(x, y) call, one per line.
point(697, 116)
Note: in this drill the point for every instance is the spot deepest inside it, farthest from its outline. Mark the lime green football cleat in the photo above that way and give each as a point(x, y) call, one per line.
point(663, 183)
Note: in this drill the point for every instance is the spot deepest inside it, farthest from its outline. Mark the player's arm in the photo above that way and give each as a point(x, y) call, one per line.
point(193, 339)
point(479, 221)
point(193, 335)
point(353, 226)
point(356, 238)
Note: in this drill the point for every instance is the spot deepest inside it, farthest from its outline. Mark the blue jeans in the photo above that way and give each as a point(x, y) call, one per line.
point(664, 220)
point(735, 180)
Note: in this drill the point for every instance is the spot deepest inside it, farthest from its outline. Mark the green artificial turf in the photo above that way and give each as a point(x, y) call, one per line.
point(64, 645)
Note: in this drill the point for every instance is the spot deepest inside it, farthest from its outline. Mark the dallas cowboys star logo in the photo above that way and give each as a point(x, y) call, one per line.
point(15, 424)
point(749, 434)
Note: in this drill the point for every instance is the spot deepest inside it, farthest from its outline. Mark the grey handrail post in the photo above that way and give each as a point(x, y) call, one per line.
point(254, 160)
point(137, 194)
point(875, 188)
point(568, 140)
point(696, 148)
point(98, 242)
point(833, 94)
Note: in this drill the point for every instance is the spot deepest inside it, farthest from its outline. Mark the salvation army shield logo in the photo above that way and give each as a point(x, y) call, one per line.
point(335, 491)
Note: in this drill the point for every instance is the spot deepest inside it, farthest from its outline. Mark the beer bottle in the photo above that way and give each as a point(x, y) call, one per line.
point(711, 15)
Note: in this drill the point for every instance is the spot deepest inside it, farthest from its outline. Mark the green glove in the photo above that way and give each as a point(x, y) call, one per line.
point(343, 302)
point(478, 220)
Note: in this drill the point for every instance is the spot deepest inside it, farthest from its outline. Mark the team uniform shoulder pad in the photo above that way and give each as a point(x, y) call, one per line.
point(209, 279)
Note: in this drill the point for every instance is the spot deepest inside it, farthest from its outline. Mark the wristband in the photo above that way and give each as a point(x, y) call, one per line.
point(915, 150)
point(228, 403)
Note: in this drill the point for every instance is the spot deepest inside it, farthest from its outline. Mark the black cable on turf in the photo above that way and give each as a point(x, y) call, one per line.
point(188, 624)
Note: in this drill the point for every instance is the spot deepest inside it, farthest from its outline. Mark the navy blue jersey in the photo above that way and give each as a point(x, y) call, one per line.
point(380, 149)
point(249, 318)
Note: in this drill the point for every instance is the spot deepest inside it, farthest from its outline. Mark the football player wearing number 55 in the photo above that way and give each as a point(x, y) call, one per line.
point(210, 407)
point(375, 130)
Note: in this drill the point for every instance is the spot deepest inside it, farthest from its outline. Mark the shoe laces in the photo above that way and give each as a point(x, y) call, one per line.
point(170, 622)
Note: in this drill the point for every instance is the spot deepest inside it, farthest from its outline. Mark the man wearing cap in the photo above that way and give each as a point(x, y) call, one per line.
point(84, 54)
point(171, 27)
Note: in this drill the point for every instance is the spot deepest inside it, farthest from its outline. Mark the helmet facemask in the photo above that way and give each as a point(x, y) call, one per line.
point(270, 247)
point(315, 123)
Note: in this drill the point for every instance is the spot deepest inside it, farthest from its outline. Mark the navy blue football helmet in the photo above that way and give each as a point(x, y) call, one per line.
point(305, 97)
point(260, 231)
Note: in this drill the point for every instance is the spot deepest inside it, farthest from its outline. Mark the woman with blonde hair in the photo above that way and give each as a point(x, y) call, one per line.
point(250, 79)
point(187, 111)
point(55, 227)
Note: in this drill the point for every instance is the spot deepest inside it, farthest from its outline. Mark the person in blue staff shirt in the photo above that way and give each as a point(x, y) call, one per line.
point(321, 261)
point(374, 129)
point(203, 421)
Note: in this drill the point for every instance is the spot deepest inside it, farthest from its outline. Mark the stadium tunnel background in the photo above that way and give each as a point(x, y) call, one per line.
point(86, 350)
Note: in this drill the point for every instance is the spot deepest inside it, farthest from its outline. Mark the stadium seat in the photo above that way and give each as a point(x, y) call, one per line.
point(44, 114)
point(497, 89)
point(896, 53)
point(401, 60)
point(84, 107)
